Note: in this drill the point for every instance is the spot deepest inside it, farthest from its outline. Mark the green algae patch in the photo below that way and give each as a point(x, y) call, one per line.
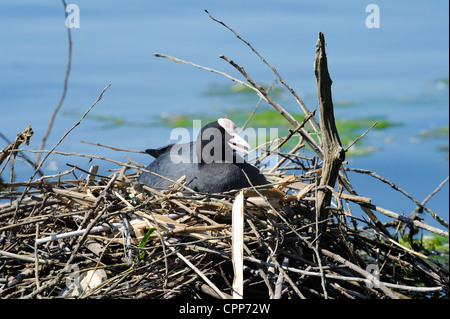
point(349, 129)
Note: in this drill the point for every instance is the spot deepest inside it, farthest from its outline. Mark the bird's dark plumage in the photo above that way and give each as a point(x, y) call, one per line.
point(209, 163)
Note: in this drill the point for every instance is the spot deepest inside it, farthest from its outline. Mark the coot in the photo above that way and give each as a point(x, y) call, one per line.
point(210, 163)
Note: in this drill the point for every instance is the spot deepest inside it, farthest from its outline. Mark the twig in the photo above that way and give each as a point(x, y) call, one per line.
point(280, 280)
point(254, 110)
point(314, 124)
point(72, 256)
point(258, 89)
point(291, 133)
point(114, 148)
point(159, 55)
point(23, 258)
point(36, 259)
point(278, 107)
point(98, 201)
point(63, 94)
point(289, 157)
point(373, 174)
point(406, 220)
point(274, 263)
point(354, 267)
point(95, 229)
point(369, 279)
point(318, 228)
point(420, 208)
point(361, 136)
point(56, 145)
point(191, 265)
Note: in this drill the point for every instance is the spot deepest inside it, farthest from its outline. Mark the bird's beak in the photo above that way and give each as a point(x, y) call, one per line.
point(236, 142)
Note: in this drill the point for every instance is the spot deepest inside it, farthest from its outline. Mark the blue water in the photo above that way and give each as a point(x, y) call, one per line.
point(394, 72)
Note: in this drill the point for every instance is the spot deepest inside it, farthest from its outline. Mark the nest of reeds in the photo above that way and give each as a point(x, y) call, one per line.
point(98, 236)
point(110, 237)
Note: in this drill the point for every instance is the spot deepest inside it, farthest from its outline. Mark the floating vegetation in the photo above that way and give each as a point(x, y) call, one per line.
point(344, 103)
point(441, 82)
point(110, 121)
point(439, 134)
point(241, 92)
point(349, 129)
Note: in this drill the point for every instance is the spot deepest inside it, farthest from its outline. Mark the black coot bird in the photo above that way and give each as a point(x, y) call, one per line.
point(210, 163)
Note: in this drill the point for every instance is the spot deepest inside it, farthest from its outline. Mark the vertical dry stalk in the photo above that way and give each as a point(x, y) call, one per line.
point(238, 245)
point(333, 152)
